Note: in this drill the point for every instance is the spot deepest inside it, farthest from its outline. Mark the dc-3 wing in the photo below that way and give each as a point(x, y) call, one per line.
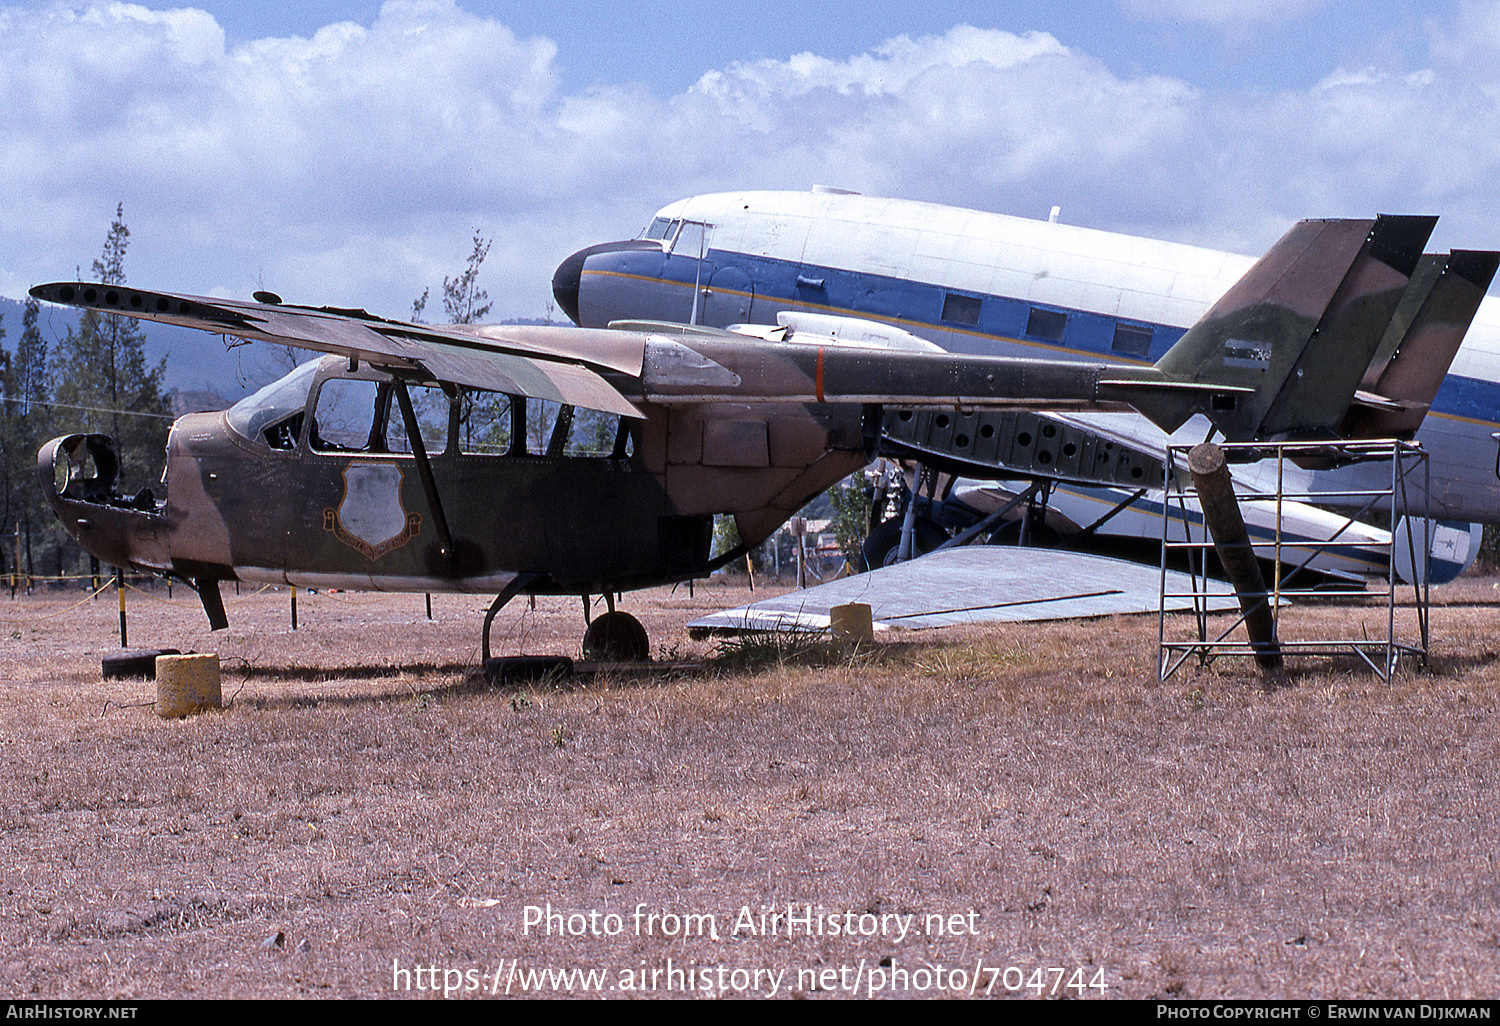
point(1281, 354)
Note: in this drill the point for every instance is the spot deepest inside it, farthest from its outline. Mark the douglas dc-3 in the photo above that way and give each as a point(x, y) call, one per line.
point(506, 459)
point(920, 276)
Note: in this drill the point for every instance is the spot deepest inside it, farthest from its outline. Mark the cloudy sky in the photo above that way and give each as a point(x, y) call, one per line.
point(344, 151)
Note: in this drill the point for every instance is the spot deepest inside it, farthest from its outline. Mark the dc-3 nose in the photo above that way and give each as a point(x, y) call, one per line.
point(567, 280)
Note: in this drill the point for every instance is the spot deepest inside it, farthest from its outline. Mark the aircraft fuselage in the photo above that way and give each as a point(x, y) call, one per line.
point(981, 283)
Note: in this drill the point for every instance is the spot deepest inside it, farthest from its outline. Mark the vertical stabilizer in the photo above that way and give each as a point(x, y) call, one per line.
point(1397, 391)
point(1291, 339)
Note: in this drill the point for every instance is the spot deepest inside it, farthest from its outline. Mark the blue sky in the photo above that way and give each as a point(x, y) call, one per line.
point(344, 152)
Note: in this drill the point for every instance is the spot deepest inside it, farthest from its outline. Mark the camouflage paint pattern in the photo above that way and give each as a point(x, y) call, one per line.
point(709, 423)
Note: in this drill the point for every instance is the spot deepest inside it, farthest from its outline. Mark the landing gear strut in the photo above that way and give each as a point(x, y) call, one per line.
point(615, 637)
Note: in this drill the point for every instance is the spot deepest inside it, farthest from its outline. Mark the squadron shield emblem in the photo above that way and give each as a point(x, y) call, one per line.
point(371, 518)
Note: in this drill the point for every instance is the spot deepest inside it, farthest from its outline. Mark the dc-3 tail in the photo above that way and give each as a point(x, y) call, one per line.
point(1291, 340)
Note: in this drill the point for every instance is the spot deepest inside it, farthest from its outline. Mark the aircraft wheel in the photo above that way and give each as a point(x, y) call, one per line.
point(616, 638)
point(1009, 533)
point(884, 543)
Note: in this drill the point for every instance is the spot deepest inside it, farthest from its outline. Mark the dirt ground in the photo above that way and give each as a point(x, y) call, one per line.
point(1012, 810)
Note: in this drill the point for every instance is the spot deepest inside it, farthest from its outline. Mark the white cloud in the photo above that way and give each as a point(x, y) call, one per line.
point(351, 167)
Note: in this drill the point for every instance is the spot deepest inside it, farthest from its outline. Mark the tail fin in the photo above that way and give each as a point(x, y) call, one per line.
point(1290, 340)
point(1412, 360)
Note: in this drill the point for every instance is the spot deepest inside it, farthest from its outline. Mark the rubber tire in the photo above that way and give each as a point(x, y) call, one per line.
point(616, 637)
point(133, 662)
point(881, 547)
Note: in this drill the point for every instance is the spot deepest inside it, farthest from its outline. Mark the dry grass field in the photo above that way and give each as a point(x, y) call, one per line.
point(1018, 810)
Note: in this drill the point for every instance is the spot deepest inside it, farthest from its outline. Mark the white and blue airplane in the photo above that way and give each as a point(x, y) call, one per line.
point(879, 271)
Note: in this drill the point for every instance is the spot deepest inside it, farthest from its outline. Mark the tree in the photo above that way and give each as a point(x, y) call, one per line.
point(101, 370)
point(30, 380)
point(25, 423)
point(467, 303)
point(463, 299)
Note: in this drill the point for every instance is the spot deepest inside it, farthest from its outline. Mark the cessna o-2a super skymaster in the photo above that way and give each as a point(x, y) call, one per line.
point(505, 459)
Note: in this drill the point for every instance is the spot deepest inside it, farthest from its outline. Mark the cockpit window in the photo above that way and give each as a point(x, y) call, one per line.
point(350, 417)
point(692, 240)
point(661, 228)
point(355, 415)
point(268, 415)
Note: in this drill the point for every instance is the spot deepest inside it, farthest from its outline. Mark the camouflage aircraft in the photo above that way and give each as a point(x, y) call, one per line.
point(504, 459)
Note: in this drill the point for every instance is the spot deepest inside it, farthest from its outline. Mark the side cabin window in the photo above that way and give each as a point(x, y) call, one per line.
point(485, 423)
point(1048, 325)
point(364, 415)
point(555, 430)
point(490, 424)
point(354, 415)
point(961, 309)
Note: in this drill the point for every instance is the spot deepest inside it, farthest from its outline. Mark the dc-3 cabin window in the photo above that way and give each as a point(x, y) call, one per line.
point(961, 309)
point(1047, 325)
point(1132, 340)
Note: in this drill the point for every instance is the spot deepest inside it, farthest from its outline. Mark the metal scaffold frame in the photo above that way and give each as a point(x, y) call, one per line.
point(1383, 655)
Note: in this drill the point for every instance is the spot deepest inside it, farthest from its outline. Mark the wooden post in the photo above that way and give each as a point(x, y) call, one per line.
point(799, 532)
point(1221, 512)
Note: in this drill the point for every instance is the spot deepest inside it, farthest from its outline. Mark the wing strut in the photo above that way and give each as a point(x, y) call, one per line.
point(424, 471)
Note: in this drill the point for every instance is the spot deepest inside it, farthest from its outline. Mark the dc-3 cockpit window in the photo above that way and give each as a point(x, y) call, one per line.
point(661, 228)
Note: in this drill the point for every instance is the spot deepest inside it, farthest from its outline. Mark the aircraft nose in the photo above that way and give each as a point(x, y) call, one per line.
point(566, 280)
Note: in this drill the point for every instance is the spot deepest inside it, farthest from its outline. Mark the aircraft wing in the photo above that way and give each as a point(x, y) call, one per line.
point(978, 584)
point(539, 363)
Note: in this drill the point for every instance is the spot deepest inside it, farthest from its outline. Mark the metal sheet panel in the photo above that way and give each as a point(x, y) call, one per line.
point(979, 584)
